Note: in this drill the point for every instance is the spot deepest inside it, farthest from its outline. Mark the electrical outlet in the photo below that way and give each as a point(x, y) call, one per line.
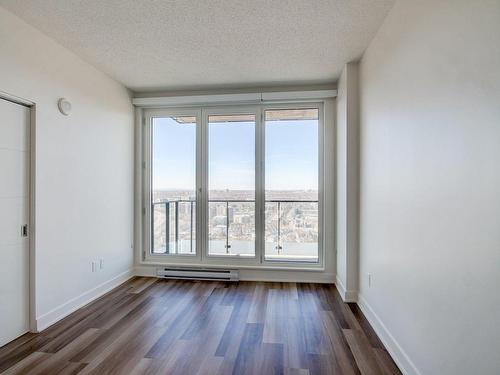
point(369, 280)
point(101, 263)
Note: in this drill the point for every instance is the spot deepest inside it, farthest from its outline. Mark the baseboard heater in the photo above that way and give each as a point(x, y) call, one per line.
point(197, 273)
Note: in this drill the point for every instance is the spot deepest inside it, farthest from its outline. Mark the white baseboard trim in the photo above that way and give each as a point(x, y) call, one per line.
point(145, 271)
point(269, 276)
point(53, 316)
point(262, 275)
point(347, 295)
point(397, 353)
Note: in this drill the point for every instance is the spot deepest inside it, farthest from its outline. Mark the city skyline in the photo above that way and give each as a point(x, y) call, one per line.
point(291, 223)
point(223, 194)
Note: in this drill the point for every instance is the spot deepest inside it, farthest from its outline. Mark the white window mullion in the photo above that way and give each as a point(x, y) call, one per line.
point(146, 180)
point(203, 165)
point(199, 185)
point(259, 186)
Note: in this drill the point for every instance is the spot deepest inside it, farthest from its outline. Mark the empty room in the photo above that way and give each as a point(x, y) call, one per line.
point(212, 187)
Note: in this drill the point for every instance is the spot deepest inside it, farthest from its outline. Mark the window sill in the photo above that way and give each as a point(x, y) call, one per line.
point(270, 267)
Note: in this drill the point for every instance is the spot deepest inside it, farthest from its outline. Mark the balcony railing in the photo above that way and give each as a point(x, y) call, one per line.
point(179, 240)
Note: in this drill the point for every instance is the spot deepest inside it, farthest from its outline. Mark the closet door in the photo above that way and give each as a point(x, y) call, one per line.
point(14, 214)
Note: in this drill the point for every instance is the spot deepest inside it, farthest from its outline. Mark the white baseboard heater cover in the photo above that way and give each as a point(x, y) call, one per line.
point(197, 273)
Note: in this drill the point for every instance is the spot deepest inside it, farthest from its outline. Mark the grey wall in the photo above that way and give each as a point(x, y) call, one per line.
point(430, 185)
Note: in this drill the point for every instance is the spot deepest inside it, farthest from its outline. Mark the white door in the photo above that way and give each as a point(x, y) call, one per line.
point(14, 214)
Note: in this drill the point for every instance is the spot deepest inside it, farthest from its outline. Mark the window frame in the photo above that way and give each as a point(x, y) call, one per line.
point(201, 258)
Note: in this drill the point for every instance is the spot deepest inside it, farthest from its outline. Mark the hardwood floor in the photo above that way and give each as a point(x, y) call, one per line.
point(155, 326)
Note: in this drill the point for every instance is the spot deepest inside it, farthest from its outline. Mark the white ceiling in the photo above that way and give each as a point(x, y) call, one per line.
point(187, 44)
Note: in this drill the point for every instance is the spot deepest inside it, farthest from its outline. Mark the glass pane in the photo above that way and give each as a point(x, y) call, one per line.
point(231, 185)
point(291, 178)
point(173, 150)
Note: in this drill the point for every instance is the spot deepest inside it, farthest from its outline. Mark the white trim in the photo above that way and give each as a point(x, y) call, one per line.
point(32, 219)
point(138, 187)
point(196, 99)
point(299, 95)
point(397, 353)
point(247, 274)
point(232, 98)
point(16, 99)
point(279, 266)
point(54, 315)
point(320, 278)
point(347, 295)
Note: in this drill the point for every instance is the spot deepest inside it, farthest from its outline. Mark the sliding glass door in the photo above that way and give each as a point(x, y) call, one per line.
point(291, 184)
point(233, 185)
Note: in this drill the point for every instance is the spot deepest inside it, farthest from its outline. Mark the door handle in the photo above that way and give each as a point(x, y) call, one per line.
point(24, 230)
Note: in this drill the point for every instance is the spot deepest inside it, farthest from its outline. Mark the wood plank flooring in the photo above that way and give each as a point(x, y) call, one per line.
point(155, 326)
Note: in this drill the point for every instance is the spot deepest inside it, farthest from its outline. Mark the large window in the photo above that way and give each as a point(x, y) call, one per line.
point(234, 185)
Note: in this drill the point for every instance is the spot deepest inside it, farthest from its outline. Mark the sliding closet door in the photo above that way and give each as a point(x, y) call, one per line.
point(14, 214)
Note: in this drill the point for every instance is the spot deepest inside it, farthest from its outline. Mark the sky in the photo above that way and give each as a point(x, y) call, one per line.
point(291, 155)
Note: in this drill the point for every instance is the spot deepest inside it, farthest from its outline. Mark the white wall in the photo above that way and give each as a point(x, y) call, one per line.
point(347, 192)
point(84, 166)
point(430, 185)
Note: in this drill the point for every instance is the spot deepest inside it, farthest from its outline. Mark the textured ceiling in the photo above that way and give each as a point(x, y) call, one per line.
point(187, 44)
